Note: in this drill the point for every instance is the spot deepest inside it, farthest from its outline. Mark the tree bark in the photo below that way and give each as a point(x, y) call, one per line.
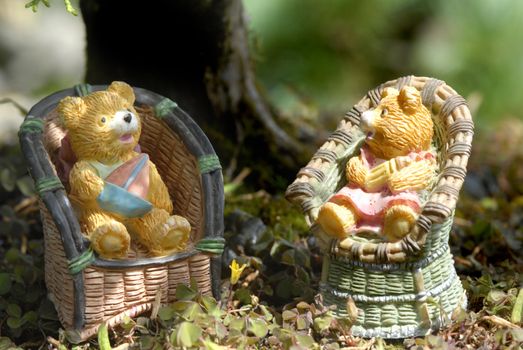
point(195, 52)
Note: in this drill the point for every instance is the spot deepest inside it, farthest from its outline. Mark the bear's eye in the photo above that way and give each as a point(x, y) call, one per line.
point(384, 112)
point(103, 120)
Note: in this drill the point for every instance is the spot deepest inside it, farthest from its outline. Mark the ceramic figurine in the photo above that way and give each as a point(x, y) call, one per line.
point(396, 162)
point(111, 165)
point(116, 190)
point(380, 196)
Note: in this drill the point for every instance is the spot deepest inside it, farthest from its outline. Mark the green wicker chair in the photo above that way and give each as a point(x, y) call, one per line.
point(405, 288)
point(88, 290)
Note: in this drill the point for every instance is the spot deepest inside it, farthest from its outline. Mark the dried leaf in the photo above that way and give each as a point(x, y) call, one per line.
point(303, 305)
point(288, 315)
point(156, 304)
point(352, 310)
point(221, 330)
point(517, 334)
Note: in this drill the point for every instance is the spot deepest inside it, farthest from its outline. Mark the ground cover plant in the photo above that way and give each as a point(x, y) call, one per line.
point(271, 270)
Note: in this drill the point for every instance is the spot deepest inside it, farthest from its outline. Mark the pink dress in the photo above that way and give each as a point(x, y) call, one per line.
point(370, 207)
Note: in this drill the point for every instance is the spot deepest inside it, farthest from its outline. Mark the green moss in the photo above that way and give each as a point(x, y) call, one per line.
point(283, 219)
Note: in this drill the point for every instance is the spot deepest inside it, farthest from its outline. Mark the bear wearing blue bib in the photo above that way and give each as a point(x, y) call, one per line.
point(117, 191)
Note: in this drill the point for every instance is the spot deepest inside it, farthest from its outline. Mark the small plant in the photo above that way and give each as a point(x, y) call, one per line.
point(269, 297)
point(33, 4)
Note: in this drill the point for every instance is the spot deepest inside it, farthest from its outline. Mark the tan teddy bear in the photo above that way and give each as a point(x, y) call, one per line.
point(384, 182)
point(117, 192)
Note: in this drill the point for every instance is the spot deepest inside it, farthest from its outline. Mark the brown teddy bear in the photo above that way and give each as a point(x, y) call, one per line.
point(384, 182)
point(117, 191)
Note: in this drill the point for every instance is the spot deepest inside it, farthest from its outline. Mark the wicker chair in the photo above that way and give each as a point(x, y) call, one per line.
point(87, 290)
point(409, 287)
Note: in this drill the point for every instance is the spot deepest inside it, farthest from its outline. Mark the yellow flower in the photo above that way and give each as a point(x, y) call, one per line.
point(236, 271)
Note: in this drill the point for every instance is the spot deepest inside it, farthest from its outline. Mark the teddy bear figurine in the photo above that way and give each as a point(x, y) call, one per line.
point(386, 181)
point(116, 190)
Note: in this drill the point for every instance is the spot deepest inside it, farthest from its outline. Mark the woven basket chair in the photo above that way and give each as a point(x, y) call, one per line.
point(87, 290)
point(409, 287)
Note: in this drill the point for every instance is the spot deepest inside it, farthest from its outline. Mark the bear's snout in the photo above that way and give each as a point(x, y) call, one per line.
point(124, 122)
point(367, 121)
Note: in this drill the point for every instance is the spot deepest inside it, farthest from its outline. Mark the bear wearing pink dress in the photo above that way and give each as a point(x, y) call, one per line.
point(386, 180)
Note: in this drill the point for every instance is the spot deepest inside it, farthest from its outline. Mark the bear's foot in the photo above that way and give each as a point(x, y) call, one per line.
point(111, 240)
point(336, 219)
point(398, 222)
point(172, 236)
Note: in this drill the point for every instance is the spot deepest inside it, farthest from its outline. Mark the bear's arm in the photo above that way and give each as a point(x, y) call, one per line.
point(416, 176)
point(85, 183)
point(356, 172)
point(158, 193)
point(380, 175)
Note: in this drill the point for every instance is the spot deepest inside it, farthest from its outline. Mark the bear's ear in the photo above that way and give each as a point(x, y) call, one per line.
point(389, 91)
point(409, 99)
point(124, 90)
point(71, 109)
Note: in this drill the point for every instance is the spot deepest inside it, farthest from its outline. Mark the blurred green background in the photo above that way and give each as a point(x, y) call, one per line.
point(324, 55)
point(314, 59)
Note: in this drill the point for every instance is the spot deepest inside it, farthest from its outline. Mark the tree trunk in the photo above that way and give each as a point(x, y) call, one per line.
point(195, 52)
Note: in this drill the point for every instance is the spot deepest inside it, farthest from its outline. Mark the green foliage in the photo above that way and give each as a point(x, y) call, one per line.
point(7, 344)
point(103, 338)
point(517, 310)
point(202, 322)
point(274, 305)
point(24, 309)
point(280, 252)
point(33, 4)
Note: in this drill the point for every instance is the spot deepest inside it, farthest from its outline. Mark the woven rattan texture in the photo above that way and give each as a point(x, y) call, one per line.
point(111, 294)
point(324, 174)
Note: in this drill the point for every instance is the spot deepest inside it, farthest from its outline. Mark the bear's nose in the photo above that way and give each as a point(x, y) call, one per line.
point(128, 117)
point(367, 121)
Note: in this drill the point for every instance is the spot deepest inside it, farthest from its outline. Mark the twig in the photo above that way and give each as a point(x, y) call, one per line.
point(241, 176)
point(251, 196)
point(232, 186)
point(23, 111)
point(31, 344)
point(240, 137)
point(498, 321)
point(53, 342)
